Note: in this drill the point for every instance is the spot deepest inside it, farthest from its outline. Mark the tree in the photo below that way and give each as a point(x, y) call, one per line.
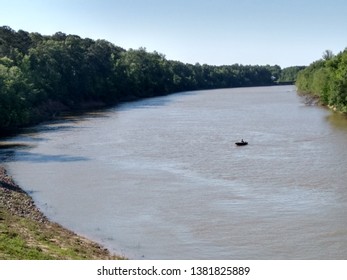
point(327, 79)
point(42, 75)
point(14, 109)
point(327, 55)
point(289, 74)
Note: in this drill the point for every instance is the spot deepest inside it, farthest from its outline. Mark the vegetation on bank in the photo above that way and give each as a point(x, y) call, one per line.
point(25, 233)
point(326, 79)
point(41, 76)
point(289, 74)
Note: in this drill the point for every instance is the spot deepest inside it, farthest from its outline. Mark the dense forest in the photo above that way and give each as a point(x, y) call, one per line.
point(327, 79)
point(41, 76)
point(289, 74)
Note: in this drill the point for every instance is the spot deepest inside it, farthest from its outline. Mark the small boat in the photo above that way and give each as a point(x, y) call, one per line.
point(241, 143)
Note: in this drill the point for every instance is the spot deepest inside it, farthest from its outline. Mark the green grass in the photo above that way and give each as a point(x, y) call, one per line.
point(25, 234)
point(25, 239)
point(13, 244)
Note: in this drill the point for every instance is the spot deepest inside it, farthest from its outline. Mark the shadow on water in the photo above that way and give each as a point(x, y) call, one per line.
point(64, 123)
point(10, 145)
point(338, 121)
point(14, 147)
point(17, 147)
point(39, 158)
point(10, 152)
point(6, 155)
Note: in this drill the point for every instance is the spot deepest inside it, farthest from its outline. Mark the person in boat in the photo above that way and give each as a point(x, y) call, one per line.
point(242, 141)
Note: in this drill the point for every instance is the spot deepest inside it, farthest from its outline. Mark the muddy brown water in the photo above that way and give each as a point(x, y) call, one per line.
point(162, 178)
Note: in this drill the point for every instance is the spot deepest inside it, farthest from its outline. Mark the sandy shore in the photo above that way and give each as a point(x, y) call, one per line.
point(25, 233)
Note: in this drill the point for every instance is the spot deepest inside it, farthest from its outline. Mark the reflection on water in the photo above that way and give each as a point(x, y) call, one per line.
point(338, 121)
point(162, 179)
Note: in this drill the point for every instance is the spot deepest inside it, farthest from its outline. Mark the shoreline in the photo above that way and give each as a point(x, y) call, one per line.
point(26, 233)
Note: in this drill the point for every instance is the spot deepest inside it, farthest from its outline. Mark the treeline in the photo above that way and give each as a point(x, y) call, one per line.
point(41, 76)
point(289, 74)
point(327, 79)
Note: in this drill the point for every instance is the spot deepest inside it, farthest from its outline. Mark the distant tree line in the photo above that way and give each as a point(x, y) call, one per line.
point(41, 76)
point(326, 79)
point(289, 74)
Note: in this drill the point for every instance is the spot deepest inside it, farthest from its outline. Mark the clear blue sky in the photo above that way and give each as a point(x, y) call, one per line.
point(216, 32)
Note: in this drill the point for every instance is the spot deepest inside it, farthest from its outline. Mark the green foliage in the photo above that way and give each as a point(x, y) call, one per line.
point(327, 78)
point(290, 74)
point(13, 93)
point(11, 244)
point(43, 75)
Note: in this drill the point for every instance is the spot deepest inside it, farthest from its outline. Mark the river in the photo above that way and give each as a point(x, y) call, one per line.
point(161, 178)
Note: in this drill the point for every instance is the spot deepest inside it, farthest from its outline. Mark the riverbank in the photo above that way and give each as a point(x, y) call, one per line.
point(25, 233)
